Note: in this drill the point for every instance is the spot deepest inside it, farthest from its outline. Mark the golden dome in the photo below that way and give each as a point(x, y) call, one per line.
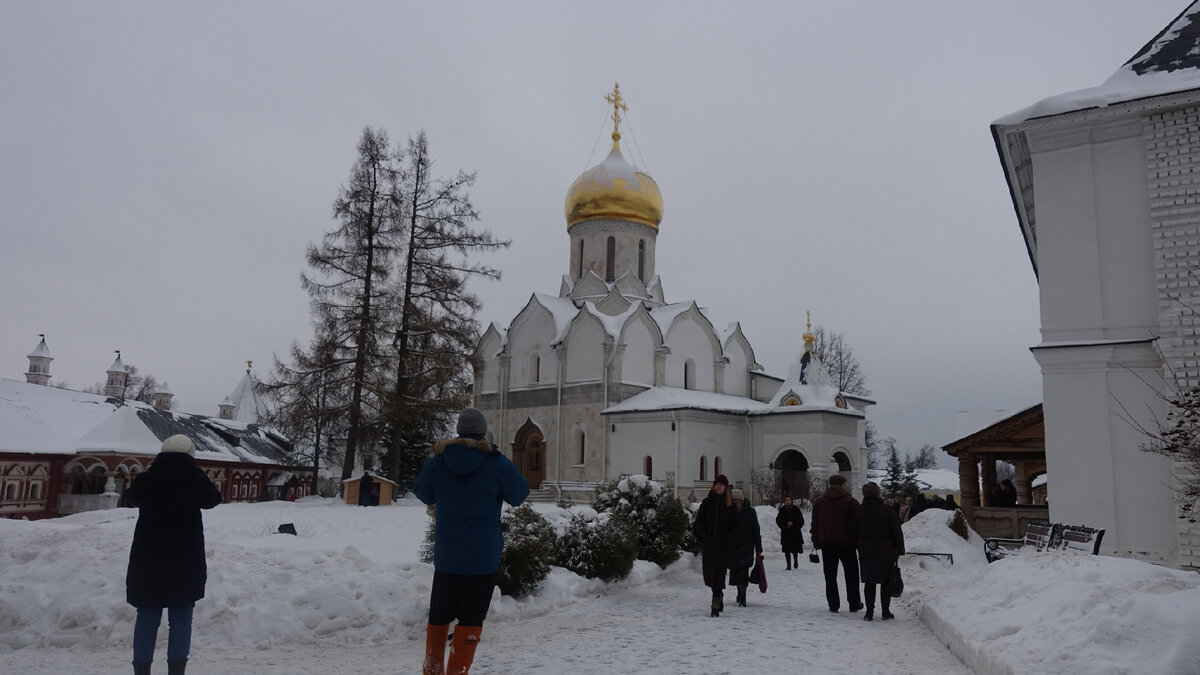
point(614, 189)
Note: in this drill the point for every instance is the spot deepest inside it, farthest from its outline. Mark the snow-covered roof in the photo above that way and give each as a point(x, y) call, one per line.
point(41, 420)
point(117, 366)
point(808, 381)
point(40, 351)
point(248, 406)
point(1168, 64)
point(674, 398)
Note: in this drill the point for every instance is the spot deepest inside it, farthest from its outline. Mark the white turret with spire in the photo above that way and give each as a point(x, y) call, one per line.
point(39, 363)
point(118, 378)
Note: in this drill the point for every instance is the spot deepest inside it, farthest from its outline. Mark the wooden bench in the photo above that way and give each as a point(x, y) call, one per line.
point(1041, 535)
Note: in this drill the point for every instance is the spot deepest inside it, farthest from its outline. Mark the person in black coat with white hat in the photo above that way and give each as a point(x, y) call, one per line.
point(166, 562)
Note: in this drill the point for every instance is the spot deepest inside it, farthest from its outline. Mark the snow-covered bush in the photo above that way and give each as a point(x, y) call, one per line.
point(425, 553)
point(528, 549)
point(656, 516)
point(597, 547)
point(690, 543)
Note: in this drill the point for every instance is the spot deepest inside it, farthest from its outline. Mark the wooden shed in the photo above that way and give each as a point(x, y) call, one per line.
point(381, 490)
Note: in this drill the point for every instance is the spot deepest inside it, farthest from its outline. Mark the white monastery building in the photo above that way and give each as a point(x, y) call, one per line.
point(1106, 186)
point(609, 378)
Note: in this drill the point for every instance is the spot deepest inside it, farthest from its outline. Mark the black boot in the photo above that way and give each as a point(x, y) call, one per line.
point(716, 603)
point(887, 615)
point(741, 595)
point(788, 558)
point(870, 615)
point(176, 667)
point(141, 669)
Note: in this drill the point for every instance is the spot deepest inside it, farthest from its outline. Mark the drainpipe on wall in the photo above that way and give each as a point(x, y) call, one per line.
point(750, 444)
point(675, 423)
point(604, 404)
point(558, 423)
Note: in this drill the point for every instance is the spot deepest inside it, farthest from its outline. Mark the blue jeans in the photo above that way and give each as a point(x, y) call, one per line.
point(179, 633)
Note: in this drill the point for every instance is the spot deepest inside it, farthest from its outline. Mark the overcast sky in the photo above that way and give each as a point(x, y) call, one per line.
point(163, 167)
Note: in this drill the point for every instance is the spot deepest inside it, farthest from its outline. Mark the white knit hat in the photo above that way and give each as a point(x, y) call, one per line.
point(179, 443)
point(738, 494)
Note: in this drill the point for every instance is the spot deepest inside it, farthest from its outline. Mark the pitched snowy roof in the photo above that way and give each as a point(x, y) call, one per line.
point(117, 366)
point(674, 398)
point(1167, 64)
point(809, 382)
point(248, 406)
point(40, 351)
point(40, 419)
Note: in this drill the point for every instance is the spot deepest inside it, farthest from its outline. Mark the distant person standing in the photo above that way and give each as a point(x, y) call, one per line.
point(1007, 495)
point(166, 561)
point(749, 544)
point(467, 479)
point(716, 527)
point(790, 520)
point(830, 532)
point(876, 528)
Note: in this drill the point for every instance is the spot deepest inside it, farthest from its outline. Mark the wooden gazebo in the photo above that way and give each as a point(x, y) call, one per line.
point(1019, 439)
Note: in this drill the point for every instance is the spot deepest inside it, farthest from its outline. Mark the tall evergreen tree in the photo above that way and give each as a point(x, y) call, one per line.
point(349, 285)
point(437, 329)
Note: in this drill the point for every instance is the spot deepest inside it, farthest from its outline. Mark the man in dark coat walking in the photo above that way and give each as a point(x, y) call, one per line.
point(166, 562)
point(749, 544)
point(830, 532)
point(791, 531)
point(876, 528)
point(467, 479)
point(716, 527)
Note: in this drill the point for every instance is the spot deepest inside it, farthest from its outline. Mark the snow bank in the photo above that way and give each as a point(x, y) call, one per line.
point(1053, 612)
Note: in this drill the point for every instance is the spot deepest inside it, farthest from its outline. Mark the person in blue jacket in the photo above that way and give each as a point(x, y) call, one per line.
point(467, 480)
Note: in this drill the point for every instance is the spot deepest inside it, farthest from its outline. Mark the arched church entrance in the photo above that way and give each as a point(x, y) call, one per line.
point(842, 460)
point(529, 453)
point(791, 475)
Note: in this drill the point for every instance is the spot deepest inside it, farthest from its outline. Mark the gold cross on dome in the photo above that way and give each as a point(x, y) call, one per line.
point(808, 315)
point(618, 105)
point(249, 364)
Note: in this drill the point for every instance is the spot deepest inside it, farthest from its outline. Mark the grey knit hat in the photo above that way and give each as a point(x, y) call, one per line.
point(738, 495)
point(471, 422)
point(179, 443)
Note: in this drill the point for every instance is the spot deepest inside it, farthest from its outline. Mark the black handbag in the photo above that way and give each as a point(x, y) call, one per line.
point(813, 557)
point(895, 581)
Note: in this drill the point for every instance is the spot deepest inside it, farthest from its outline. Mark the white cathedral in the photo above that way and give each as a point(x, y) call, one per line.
point(608, 378)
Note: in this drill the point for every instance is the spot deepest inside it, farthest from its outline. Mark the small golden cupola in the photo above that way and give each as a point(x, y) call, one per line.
point(614, 189)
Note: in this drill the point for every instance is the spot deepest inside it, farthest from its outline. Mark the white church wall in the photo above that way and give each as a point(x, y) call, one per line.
point(626, 235)
point(1101, 479)
point(637, 437)
point(490, 377)
point(533, 361)
point(585, 350)
point(714, 435)
point(691, 343)
point(737, 379)
point(637, 360)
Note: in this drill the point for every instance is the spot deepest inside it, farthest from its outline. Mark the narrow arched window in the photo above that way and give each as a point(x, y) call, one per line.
point(642, 259)
point(580, 275)
point(582, 446)
point(703, 467)
point(716, 466)
point(648, 466)
point(537, 368)
point(689, 374)
point(610, 266)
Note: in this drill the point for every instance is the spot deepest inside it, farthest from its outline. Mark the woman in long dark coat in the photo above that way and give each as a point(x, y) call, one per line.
point(876, 528)
point(749, 543)
point(791, 531)
point(166, 562)
point(716, 528)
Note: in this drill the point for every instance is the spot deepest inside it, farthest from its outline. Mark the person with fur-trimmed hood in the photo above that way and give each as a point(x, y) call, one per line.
point(716, 527)
point(749, 544)
point(467, 479)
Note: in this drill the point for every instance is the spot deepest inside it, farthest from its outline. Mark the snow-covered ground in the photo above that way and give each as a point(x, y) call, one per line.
point(348, 594)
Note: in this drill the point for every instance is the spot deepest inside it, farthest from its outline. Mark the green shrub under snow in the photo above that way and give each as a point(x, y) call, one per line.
point(596, 547)
point(655, 515)
point(529, 542)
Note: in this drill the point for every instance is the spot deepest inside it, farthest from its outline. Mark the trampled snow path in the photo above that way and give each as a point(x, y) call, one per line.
point(349, 595)
point(662, 627)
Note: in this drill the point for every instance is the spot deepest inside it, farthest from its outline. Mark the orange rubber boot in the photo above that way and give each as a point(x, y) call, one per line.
point(462, 651)
point(435, 649)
